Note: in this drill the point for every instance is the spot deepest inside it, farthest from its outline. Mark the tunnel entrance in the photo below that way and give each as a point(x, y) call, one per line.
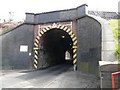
point(51, 45)
point(54, 44)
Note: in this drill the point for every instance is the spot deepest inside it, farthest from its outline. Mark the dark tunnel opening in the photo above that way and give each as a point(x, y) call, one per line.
point(55, 43)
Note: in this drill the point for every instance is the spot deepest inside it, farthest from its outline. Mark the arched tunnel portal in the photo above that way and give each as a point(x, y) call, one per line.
point(51, 46)
point(55, 43)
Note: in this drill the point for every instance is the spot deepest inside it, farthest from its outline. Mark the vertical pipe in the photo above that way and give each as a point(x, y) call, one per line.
point(113, 81)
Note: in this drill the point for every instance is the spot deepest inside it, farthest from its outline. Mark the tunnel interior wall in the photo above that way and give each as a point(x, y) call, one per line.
point(89, 44)
point(53, 45)
point(12, 57)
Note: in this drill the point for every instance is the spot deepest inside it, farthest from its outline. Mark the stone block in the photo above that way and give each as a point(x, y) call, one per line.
point(108, 56)
point(108, 46)
point(106, 69)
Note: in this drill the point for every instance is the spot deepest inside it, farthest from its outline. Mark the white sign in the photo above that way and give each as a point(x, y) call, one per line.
point(23, 48)
point(29, 54)
point(67, 55)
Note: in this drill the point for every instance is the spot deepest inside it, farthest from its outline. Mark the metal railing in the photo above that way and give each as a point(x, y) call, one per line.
point(113, 79)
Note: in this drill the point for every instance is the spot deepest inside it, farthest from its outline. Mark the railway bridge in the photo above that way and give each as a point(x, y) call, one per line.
point(44, 39)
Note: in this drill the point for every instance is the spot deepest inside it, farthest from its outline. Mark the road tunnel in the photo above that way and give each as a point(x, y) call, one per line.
point(54, 44)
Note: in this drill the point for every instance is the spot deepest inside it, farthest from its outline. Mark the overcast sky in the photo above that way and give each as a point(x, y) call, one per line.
point(19, 7)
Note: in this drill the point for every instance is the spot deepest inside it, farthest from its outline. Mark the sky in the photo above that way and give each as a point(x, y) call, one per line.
point(20, 7)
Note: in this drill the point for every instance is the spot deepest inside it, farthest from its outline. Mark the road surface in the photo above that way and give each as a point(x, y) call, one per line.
point(61, 76)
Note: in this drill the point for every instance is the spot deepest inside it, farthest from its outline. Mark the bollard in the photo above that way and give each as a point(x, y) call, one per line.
point(75, 67)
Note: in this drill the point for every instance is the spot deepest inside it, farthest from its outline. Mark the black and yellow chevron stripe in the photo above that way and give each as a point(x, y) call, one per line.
point(74, 39)
point(36, 46)
point(37, 39)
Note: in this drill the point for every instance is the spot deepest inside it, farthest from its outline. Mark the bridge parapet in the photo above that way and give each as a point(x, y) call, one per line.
point(55, 16)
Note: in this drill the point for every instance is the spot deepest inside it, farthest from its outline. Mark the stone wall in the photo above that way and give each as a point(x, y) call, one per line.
point(12, 57)
point(106, 69)
point(89, 44)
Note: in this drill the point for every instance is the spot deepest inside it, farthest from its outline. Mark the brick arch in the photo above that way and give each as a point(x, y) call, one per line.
point(37, 40)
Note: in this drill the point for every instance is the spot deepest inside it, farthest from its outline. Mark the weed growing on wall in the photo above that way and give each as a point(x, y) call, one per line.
point(115, 25)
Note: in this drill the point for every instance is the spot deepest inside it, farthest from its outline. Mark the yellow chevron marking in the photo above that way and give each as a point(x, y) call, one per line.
point(47, 28)
point(38, 37)
point(73, 35)
point(74, 61)
point(58, 26)
point(68, 30)
point(74, 46)
point(61, 27)
point(54, 25)
point(75, 42)
point(74, 50)
point(36, 48)
point(39, 34)
point(42, 32)
point(35, 61)
point(36, 56)
point(36, 45)
point(65, 28)
point(37, 41)
point(35, 66)
point(74, 38)
point(36, 52)
point(74, 55)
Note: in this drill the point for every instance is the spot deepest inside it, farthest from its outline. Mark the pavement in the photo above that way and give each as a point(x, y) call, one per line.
point(61, 76)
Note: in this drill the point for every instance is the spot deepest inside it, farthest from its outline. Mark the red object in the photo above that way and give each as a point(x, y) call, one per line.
point(113, 79)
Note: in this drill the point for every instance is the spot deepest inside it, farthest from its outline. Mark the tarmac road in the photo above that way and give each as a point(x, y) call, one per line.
point(60, 76)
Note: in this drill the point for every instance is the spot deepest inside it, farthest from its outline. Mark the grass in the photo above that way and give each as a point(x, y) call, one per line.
point(3, 31)
point(9, 28)
point(115, 24)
